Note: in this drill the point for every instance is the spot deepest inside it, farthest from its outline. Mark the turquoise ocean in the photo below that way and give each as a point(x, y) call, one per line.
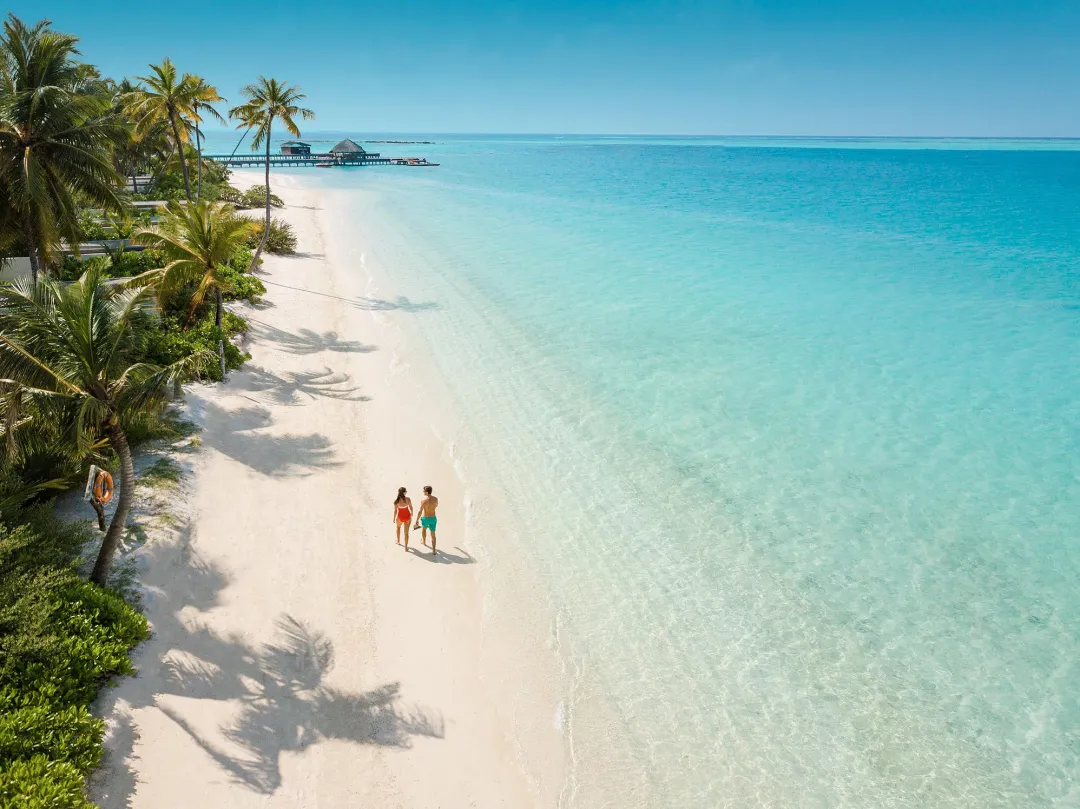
point(790, 430)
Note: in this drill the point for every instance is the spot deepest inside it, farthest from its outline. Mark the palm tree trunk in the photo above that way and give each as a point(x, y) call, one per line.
point(198, 166)
point(160, 171)
point(180, 154)
point(31, 248)
point(266, 224)
point(134, 183)
point(34, 264)
point(221, 337)
point(123, 505)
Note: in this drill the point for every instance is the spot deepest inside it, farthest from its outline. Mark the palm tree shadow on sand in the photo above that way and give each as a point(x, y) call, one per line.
point(292, 709)
point(286, 705)
point(308, 341)
point(293, 387)
point(238, 434)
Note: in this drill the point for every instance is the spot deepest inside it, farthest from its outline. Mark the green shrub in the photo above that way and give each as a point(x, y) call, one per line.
point(92, 230)
point(60, 635)
point(255, 197)
point(281, 241)
point(169, 186)
point(71, 267)
point(214, 180)
point(132, 262)
point(39, 783)
point(114, 265)
point(233, 196)
point(245, 287)
point(61, 638)
point(40, 540)
point(241, 259)
point(70, 735)
point(171, 342)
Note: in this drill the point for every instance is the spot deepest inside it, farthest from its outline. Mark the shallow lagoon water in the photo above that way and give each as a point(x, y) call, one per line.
point(791, 433)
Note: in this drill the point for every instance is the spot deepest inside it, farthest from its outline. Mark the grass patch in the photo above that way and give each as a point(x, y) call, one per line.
point(165, 473)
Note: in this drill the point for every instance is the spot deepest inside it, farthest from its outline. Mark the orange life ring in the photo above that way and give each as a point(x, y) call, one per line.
point(103, 487)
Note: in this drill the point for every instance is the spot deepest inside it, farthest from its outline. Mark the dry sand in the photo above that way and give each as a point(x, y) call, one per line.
point(299, 658)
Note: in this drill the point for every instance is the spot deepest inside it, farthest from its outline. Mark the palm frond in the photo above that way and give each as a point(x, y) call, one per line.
point(267, 100)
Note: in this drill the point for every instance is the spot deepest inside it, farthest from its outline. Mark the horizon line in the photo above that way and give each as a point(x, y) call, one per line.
point(681, 135)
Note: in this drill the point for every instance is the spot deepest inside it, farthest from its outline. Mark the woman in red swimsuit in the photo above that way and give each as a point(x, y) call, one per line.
point(402, 515)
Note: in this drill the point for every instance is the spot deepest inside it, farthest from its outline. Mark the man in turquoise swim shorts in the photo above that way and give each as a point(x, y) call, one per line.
point(427, 519)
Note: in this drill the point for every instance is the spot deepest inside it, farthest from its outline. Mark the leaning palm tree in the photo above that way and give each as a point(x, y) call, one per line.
point(268, 99)
point(206, 95)
point(197, 240)
point(71, 356)
point(56, 134)
point(169, 97)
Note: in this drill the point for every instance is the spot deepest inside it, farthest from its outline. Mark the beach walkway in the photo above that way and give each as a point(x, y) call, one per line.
point(299, 658)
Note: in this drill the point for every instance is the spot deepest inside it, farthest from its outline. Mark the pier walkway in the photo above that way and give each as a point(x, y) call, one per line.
point(258, 161)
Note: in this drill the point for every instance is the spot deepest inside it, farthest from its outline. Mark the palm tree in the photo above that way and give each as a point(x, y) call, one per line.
point(70, 355)
point(56, 132)
point(266, 100)
point(171, 98)
point(134, 151)
point(197, 240)
point(206, 96)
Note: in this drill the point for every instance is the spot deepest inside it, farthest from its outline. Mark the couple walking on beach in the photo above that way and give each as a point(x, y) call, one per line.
point(425, 518)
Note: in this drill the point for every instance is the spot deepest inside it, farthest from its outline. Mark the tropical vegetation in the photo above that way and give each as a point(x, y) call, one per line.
point(281, 239)
point(198, 241)
point(92, 347)
point(166, 97)
point(73, 355)
point(55, 129)
point(269, 100)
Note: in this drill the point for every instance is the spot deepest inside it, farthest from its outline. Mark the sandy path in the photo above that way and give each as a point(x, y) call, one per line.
point(299, 658)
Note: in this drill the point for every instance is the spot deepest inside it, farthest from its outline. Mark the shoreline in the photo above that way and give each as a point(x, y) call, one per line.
point(297, 653)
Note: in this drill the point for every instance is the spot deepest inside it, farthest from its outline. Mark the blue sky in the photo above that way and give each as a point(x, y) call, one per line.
point(834, 67)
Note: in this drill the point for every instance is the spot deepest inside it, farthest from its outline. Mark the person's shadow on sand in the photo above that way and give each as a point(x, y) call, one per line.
point(442, 557)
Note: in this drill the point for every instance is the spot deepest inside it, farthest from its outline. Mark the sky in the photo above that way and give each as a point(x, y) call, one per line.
point(987, 68)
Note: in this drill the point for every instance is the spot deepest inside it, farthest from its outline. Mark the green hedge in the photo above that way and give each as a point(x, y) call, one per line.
point(41, 783)
point(69, 734)
point(61, 639)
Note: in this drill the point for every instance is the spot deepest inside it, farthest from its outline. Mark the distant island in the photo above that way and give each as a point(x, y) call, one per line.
point(427, 142)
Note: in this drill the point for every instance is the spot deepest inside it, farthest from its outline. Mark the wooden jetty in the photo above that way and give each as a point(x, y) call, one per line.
point(258, 161)
point(296, 153)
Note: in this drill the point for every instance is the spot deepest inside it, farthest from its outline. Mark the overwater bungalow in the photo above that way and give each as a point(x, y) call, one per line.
point(350, 150)
point(296, 147)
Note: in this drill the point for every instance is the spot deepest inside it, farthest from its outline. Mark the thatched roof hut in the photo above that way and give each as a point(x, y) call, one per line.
point(348, 148)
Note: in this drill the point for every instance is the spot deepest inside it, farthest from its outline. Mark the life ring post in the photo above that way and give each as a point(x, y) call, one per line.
point(103, 487)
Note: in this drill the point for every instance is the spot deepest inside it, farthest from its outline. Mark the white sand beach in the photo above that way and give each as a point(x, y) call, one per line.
point(299, 658)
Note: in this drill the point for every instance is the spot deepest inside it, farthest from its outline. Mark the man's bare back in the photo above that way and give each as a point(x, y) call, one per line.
point(428, 505)
point(425, 516)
